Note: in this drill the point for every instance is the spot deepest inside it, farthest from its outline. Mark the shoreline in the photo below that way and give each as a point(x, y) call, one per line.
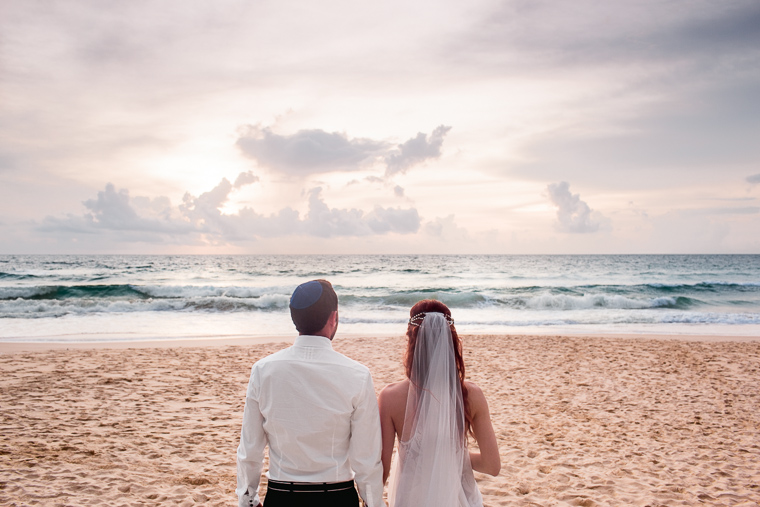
point(108, 342)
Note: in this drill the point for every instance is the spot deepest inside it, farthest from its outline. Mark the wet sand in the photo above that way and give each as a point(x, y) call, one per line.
point(580, 420)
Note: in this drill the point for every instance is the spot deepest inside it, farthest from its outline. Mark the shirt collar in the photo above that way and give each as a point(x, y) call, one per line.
point(306, 340)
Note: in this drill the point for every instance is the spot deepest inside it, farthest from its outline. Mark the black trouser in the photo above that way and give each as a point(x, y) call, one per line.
point(288, 494)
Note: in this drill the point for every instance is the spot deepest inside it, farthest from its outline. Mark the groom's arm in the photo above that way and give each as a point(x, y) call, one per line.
point(365, 446)
point(250, 452)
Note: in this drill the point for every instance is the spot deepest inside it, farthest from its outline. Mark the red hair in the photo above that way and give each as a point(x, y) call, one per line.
point(431, 306)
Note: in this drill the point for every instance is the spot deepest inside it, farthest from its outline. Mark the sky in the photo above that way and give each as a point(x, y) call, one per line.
point(294, 127)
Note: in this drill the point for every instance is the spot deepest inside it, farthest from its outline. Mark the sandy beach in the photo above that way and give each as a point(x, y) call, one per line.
point(580, 420)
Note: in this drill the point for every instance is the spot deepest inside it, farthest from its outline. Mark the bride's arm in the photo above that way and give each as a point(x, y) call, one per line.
point(487, 460)
point(387, 402)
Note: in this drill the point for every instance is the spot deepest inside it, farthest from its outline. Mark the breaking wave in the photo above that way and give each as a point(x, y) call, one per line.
point(56, 301)
point(590, 301)
point(486, 291)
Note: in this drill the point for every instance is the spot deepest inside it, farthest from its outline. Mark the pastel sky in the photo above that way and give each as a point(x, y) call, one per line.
point(248, 126)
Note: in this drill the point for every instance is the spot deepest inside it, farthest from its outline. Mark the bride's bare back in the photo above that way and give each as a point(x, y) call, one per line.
point(392, 401)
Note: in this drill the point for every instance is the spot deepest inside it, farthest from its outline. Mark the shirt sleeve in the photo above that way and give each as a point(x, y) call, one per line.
point(365, 446)
point(250, 452)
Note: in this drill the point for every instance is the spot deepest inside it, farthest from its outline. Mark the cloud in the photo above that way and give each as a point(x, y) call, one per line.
point(402, 221)
point(200, 220)
point(244, 179)
point(398, 190)
point(113, 211)
point(754, 179)
point(744, 210)
point(308, 151)
point(327, 222)
point(416, 150)
point(573, 215)
point(203, 212)
point(446, 229)
point(586, 32)
point(317, 151)
point(7, 162)
point(691, 132)
point(672, 91)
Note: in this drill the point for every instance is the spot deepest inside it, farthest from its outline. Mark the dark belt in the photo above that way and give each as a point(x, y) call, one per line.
point(309, 487)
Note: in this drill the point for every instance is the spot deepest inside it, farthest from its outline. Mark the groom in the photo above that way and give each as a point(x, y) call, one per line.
point(316, 410)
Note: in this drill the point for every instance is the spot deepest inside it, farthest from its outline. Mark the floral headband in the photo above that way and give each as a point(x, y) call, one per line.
point(417, 319)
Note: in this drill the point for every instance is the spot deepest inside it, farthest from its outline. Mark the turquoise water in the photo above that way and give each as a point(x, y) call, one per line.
point(141, 297)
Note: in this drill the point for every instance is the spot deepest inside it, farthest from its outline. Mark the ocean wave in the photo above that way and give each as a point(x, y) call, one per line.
point(602, 301)
point(710, 318)
point(191, 291)
point(646, 288)
point(401, 322)
point(59, 292)
point(21, 292)
point(452, 299)
point(226, 304)
point(628, 318)
point(39, 308)
point(535, 298)
point(16, 276)
point(701, 285)
point(35, 309)
point(69, 292)
point(732, 284)
point(128, 291)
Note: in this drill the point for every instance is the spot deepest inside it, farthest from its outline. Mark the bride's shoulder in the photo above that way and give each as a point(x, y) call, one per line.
point(396, 390)
point(395, 387)
point(475, 394)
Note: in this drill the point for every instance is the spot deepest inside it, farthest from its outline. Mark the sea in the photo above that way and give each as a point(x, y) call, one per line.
point(89, 298)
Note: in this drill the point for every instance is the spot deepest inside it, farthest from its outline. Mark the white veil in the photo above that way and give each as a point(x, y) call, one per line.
point(433, 464)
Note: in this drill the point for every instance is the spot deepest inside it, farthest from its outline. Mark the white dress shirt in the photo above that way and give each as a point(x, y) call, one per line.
point(317, 411)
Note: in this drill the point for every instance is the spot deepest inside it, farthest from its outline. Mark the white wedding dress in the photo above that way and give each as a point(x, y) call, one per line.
point(432, 466)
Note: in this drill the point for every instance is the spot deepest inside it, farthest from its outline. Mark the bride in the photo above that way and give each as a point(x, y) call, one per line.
point(432, 413)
